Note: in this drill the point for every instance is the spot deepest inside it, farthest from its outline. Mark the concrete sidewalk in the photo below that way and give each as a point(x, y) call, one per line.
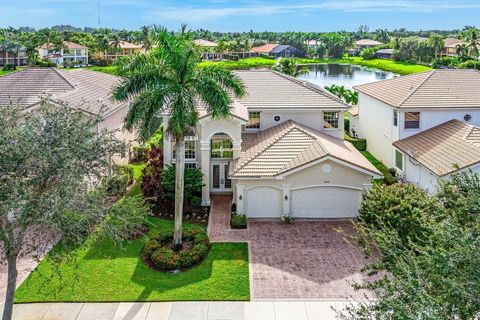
point(179, 311)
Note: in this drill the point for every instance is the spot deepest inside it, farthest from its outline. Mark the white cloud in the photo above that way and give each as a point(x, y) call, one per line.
point(200, 14)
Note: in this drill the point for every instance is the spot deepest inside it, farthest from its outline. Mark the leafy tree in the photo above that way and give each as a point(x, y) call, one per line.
point(289, 67)
point(51, 162)
point(347, 95)
point(471, 37)
point(168, 79)
point(368, 53)
point(428, 251)
point(437, 43)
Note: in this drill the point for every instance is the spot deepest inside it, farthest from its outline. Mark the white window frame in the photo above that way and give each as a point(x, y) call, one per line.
point(338, 120)
point(405, 120)
point(259, 121)
point(188, 139)
point(398, 152)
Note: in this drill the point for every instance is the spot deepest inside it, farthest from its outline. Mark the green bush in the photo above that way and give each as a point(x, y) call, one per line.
point(346, 124)
point(238, 221)
point(116, 185)
point(127, 218)
point(126, 169)
point(139, 154)
point(8, 66)
point(193, 182)
point(358, 143)
point(159, 252)
point(403, 208)
point(368, 53)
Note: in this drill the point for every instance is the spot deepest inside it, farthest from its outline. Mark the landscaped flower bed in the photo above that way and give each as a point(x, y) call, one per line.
point(158, 251)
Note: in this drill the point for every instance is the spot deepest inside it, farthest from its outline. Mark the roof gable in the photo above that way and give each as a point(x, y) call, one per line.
point(441, 148)
point(289, 146)
point(436, 89)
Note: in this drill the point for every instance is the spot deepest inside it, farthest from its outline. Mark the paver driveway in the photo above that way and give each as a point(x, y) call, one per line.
point(307, 259)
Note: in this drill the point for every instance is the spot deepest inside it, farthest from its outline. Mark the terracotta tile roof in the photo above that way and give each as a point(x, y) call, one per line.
point(267, 89)
point(266, 48)
point(367, 42)
point(447, 88)
point(442, 148)
point(204, 43)
point(353, 111)
point(128, 45)
point(452, 42)
point(291, 145)
point(85, 89)
point(68, 44)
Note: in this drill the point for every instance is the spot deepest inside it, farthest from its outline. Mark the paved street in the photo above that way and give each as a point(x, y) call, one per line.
point(320, 310)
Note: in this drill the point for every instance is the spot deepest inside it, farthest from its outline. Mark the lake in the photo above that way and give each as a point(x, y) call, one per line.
point(347, 75)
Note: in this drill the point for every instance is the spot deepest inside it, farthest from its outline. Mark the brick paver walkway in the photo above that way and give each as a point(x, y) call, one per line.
point(307, 259)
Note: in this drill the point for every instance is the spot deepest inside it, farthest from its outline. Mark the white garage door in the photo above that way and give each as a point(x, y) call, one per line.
point(264, 202)
point(325, 202)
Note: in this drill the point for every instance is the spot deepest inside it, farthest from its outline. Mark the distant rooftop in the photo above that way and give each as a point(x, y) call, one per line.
point(205, 43)
point(368, 42)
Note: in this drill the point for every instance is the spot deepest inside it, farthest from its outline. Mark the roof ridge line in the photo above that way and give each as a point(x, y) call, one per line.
point(255, 155)
point(312, 87)
point(61, 75)
point(469, 133)
point(416, 89)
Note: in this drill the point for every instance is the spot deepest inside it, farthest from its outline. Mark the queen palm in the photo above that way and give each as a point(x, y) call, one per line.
point(471, 37)
point(168, 79)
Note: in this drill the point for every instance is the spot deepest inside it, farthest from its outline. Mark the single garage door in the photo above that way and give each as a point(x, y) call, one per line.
point(325, 202)
point(264, 202)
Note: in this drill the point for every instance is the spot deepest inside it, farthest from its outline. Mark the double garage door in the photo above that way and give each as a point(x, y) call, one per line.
point(309, 202)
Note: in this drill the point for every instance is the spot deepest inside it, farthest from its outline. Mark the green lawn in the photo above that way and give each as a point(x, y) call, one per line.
point(4, 72)
point(398, 67)
point(379, 165)
point(104, 272)
point(106, 69)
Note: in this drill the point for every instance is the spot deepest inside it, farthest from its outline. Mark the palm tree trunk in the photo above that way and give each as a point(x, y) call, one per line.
point(11, 285)
point(179, 189)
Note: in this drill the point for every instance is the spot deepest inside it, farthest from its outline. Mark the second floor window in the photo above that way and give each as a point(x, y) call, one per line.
point(253, 120)
point(398, 160)
point(395, 118)
point(330, 120)
point(412, 120)
point(190, 148)
point(221, 148)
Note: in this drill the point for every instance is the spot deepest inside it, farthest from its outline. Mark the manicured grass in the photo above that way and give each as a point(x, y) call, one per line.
point(5, 72)
point(104, 272)
point(137, 170)
point(398, 67)
point(387, 176)
point(248, 63)
point(106, 69)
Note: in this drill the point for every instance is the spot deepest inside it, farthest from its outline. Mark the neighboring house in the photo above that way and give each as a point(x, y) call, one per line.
point(208, 49)
point(364, 44)
point(124, 49)
point(71, 53)
point(281, 151)
point(399, 108)
point(312, 44)
point(19, 58)
point(353, 121)
point(88, 91)
point(384, 54)
point(450, 49)
point(436, 153)
point(278, 50)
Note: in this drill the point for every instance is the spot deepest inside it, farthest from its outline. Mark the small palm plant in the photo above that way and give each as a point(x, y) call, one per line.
point(168, 79)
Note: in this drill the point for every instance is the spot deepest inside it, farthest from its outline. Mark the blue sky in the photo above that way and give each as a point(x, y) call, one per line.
point(244, 15)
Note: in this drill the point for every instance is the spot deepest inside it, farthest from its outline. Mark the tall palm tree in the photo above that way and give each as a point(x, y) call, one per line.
point(437, 43)
point(169, 79)
point(471, 37)
point(115, 43)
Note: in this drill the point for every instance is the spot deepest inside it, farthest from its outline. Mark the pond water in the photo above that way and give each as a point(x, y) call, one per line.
point(347, 75)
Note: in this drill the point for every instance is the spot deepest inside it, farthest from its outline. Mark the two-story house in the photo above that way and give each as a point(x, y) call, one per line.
point(281, 151)
point(70, 53)
point(18, 58)
point(421, 124)
point(121, 49)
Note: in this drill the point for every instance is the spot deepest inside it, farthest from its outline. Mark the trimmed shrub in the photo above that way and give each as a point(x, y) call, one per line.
point(346, 125)
point(238, 221)
point(126, 169)
point(159, 253)
point(116, 185)
point(359, 143)
point(139, 154)
point(8, 66)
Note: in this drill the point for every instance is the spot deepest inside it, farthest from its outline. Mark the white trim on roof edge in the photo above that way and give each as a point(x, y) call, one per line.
point(313, 163)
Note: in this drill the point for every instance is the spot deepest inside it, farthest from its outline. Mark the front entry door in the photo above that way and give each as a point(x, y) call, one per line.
point(219, 178)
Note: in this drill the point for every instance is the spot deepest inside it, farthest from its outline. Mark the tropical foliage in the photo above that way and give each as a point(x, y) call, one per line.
point(427, 248)
point(347, 95)
point(168, 79)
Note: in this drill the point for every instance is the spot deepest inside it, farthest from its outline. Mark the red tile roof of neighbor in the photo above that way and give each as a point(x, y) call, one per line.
point(266, 48)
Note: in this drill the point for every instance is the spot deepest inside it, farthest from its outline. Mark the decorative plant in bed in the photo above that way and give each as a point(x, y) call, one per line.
point(159, 254)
